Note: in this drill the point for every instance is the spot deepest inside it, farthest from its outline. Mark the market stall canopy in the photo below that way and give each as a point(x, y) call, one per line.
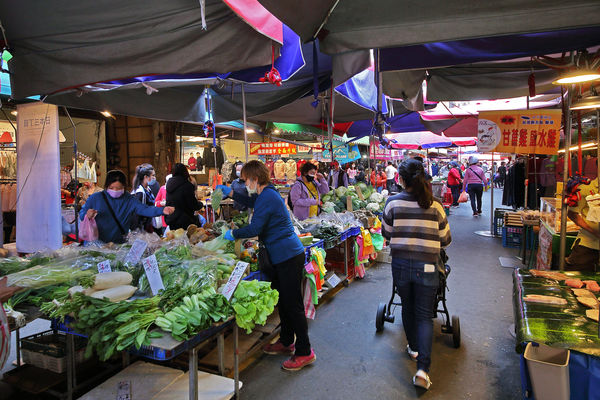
point(417, 140)
point(182, 98)
point(60, 44)
point(508, 47)
point(463, 141)
point(355, 99)
point(356, 24)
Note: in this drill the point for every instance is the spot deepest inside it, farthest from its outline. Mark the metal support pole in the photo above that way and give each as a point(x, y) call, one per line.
point(598, 164)
point(221, 351)
point(245, 122)
point(193, 371)
point(567, 160)
point(75, 169)
point(492, 231)
point(330, 123)
point(236, 362)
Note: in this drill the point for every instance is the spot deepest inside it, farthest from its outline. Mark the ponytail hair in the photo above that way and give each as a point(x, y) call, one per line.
point(413, 175)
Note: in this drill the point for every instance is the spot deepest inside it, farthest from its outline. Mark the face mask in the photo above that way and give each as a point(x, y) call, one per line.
point(250, 190)
point(238, 173)
point(151, 181)
point(115, 194)
point(310, 178)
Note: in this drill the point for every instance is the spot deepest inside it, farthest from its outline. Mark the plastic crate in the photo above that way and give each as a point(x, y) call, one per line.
point(499, 220)
point(256, 276)
point(338, 268)
point(47, 350)
point(511, 236)
point(57, 325)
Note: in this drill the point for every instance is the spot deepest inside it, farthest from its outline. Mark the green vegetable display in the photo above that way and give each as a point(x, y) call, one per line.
point(47, 275)
point(197, 312)
point(109, 326)
point(253, 302)
point(216, 198)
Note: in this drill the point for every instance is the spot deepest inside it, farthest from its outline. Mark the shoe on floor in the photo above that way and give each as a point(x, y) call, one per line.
point(296, 363)
point(412, 354)
point(421, 379)
point(279, 348)
point(475, 214)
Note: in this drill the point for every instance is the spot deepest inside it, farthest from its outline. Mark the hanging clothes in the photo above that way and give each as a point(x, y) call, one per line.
point(514, 187)
point(226, 171)
point(290, 170)
point(270, 164)
point(590, 167)
point(279, 170)
point(209, 158)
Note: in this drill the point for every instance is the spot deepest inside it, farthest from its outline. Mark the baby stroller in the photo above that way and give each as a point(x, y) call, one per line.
point(385, 312)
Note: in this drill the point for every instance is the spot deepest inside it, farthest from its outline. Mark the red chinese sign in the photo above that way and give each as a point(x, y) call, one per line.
point(521, 132)
point(272, 148)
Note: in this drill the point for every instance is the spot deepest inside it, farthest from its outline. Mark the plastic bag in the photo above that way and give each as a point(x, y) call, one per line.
point(463, 198)
point(377, 241)
point(88, 230)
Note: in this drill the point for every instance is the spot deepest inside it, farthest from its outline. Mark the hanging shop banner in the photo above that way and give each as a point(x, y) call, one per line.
point(272, 148)
point(38, 177)
point(342, 153)
point(379, 153)
point(521, 132)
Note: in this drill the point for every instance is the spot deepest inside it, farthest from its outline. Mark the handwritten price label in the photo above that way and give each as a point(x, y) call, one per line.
point(153, 274)
point(234, 279)
point(135, 253)
point(104, 266)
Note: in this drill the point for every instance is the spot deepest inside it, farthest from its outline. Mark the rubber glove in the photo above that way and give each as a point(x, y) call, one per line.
point(229, 235)
point(225, 189)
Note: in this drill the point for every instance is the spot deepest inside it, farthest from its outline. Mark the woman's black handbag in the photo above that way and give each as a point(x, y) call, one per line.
point(264, 262)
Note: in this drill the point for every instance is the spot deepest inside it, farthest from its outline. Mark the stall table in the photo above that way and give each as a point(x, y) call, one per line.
point(558, 326)
point(167, 348)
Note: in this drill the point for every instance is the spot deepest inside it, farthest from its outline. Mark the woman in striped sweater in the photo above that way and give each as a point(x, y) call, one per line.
point(417, 229)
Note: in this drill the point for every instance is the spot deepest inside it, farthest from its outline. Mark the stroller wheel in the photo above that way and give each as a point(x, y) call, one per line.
point(456, 331)
point(380, 318)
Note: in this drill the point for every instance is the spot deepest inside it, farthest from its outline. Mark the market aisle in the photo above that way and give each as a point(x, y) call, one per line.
point(354, 362)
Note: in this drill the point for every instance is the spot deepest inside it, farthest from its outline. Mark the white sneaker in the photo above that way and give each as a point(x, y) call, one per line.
point(421, 379)
point(412, 354)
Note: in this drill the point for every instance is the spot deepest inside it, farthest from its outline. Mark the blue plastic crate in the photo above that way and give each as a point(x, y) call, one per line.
point(513, 235)
point(55, 324)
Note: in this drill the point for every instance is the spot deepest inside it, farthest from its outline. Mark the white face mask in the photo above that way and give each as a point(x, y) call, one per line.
point(251, 190)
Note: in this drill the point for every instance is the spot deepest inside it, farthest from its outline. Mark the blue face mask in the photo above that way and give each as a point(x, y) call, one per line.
point(238, 173)
point(151, 181)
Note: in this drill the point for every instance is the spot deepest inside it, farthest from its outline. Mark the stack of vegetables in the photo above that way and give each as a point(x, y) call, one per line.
point(336, 200)
point(116, 310)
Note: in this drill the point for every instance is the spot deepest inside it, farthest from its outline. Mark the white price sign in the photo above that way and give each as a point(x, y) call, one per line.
point(104, 266)
point(234, 279)
point(153, 274)
point(333, 280)
point(135, 253)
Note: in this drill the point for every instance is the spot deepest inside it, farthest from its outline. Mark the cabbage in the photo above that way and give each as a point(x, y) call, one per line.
point(373, 207)
point(341, 191)
point(329, 207)
point(362, 186)
point(376, 198)
point(326, 198)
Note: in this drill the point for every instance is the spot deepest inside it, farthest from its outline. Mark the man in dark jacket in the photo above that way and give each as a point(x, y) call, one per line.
point(181, 194)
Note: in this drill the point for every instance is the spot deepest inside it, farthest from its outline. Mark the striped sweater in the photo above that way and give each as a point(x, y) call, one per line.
point(415, 233)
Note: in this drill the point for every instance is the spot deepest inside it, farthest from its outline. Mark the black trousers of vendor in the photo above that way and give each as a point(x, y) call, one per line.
point(287, 280)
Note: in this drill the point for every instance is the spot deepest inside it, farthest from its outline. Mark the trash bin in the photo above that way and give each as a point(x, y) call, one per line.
point(549, 371)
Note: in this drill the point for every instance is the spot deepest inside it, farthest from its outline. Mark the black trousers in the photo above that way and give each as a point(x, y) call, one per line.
point(287, 279)
point(391, 185)
point(455, 189)
point(475, 191)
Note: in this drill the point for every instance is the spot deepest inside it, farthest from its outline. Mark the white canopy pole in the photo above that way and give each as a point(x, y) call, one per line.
point(245, 123)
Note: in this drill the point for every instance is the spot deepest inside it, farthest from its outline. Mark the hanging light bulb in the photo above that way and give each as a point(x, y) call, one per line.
point(577, 76)
point(586, 103)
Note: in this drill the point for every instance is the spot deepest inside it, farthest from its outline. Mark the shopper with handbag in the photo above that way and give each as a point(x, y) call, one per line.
point(181, 194)
point(272, 224)
point(473, 184)
point(305, 194)
point(113, 209)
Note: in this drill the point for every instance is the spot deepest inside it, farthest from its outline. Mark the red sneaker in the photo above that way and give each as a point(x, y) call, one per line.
point(296, 363)
point(279, 348)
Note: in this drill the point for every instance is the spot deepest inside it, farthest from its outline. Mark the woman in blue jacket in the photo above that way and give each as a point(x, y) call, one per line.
point(113, 209)
point(272, 224)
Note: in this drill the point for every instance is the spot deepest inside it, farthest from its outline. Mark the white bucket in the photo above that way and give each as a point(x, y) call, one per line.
point(549, 372)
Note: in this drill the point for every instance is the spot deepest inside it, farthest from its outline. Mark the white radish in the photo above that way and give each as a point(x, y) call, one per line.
point(109, 280)
point(115, 294)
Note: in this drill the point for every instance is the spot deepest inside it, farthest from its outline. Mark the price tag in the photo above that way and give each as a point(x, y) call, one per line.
point(135, 253)
point(104, 266)
point(153, 274)
point(333, 280)
point(124, 390)
point(234, 279)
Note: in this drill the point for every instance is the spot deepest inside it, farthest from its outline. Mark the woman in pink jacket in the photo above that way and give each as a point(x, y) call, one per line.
point(473, 183)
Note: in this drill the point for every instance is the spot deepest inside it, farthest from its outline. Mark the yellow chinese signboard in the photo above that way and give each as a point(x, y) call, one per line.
point(520, 132)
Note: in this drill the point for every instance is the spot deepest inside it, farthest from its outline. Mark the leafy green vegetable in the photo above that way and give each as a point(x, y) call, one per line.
point(253, 302)
point(216, 198)
point(40, 276)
